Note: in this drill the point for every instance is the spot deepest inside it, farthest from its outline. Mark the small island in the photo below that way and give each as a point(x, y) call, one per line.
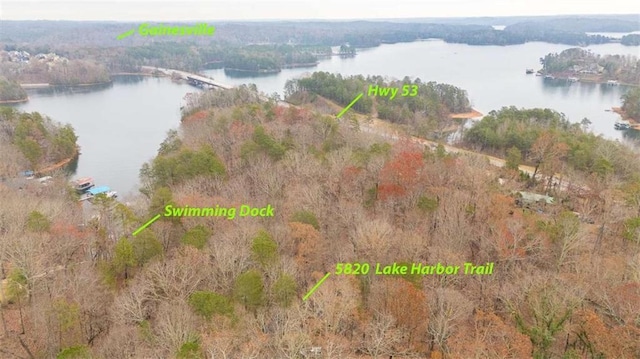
point(630, 40)
point(577, 64)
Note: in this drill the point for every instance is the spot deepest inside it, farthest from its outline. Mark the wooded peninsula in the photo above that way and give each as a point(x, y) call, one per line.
point(587, 66)
point(427, 114)
point(193, 287)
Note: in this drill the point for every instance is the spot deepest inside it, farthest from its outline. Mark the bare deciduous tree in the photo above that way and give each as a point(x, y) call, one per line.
point(448, 308)
point(380, 336)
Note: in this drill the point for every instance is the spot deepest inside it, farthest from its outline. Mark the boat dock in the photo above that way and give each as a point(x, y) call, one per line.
point(625, 123)
point(91, 193)
point(87, 190)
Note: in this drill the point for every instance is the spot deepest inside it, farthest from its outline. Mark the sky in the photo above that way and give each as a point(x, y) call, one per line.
point(189, 10)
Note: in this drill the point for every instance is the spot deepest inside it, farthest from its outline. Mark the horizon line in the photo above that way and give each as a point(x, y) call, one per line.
point(337, 19)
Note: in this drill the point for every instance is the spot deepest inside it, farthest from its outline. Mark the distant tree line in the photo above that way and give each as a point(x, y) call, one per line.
point(582, 24)
point(282, 44)
point(630, 40)
point(70, 35)
point(188, 56)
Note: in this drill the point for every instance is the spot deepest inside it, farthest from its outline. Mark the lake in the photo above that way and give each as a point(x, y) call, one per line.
point(118, 127)
point(121, 126)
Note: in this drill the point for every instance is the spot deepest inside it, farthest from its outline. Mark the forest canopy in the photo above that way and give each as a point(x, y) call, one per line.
point(124, 281)
point(195, 287)
point(431, 97)
point(423, 114)
point(631, 103)
point(192, 57)
point(544, 135)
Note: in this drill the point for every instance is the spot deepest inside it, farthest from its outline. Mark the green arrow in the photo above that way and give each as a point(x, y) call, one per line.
point(126, 34)
point(348, 107)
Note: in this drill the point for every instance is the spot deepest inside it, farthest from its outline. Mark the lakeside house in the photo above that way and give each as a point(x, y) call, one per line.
point(19, 56)
point(592, 68)
point(50, 57)
point(25, 57)
point(529, 200)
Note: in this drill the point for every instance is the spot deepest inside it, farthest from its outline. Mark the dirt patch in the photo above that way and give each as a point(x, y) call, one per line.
point(35, 85)
point(15, 101)
point(196, 117)
point(3, 289)
point(60, 164)
point(467, 115)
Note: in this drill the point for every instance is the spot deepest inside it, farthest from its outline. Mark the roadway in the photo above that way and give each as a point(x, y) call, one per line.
point(183, 75)
point(380, 128)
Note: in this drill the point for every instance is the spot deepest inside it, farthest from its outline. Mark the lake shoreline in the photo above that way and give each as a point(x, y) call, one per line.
point(132, 74)
point(3, 102)
point(84, 85)
point(589, 80)
point(253, 72)
point(600, 82)
point(299, 65)
point(32, 86)
point(635, 124)
point(60, 164)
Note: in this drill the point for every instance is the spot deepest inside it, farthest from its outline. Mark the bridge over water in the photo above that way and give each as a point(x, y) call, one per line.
point(191, 78)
